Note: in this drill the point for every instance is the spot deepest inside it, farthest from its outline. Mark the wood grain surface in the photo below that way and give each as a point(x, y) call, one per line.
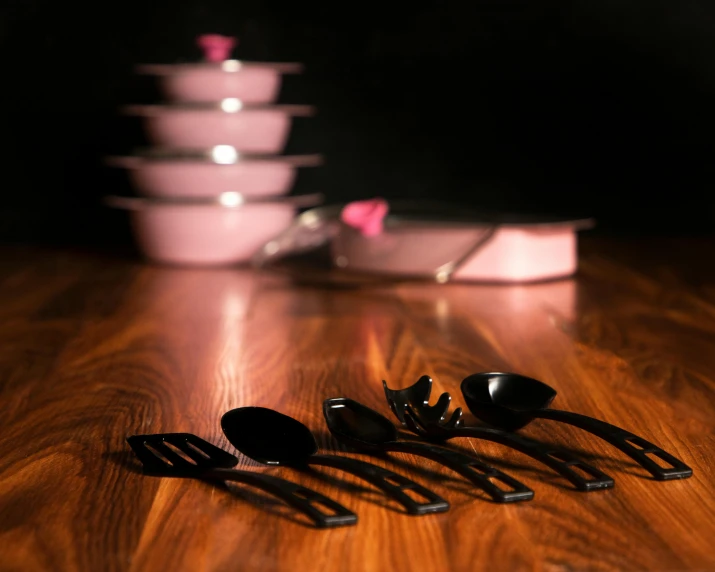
point(94, 348)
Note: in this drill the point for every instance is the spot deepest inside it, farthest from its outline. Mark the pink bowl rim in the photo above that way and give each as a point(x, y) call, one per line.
point(154, 110)
point(142, 203)
point(182, 157)
point(226, 66)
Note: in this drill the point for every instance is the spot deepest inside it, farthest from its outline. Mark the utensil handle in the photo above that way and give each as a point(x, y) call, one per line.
point(561, 461)
point(480, 474)
point(390, 483)
point(632, 445)
point(305, 500)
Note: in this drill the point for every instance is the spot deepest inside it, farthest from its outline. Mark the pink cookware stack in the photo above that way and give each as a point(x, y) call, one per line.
point(213, 188)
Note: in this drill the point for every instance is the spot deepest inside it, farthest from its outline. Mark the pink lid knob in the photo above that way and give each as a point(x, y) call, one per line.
point(216, 48)
point(366, 216)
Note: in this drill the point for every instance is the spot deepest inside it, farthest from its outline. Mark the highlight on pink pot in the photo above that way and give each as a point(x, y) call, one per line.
point(218, 76)
point(366, 216)
point(216, 48)
point(226, 230)
point(167, 173)
point(257, 129)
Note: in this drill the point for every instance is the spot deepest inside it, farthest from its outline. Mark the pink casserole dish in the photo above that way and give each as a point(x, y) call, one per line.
point(509, 253)
point(224, 231)
point(166, 173)
point(430, 241)
point(252, 129)
point(219, 77)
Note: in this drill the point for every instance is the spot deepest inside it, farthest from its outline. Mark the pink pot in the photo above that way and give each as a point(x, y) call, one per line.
point(252, 129)
point(219, 77)
point(207, 233)
point(206, 82)
point(211, 173)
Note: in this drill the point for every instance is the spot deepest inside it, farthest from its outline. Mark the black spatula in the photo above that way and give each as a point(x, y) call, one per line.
point(188, 456)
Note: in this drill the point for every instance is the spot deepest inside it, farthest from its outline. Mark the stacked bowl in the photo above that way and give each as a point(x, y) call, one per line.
point(213, 188)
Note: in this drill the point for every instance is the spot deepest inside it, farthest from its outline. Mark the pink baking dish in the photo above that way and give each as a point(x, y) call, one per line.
point(430, 242)
point(224, 231)
point(165, 173)
point(252, 129)
point(509, 253)
point(219, 77)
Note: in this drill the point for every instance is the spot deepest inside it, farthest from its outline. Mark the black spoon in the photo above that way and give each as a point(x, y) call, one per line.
point(272, 438)
point(365, 429)
point(510, 401)
point(188, 456)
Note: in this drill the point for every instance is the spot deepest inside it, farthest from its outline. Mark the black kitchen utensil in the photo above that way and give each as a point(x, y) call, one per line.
point(510, 401)
point(272, 438)
point(186, 455)
point(365, 429)
point(428, 421)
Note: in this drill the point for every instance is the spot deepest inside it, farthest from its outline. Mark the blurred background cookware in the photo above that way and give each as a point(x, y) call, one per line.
point(213, 189)
point(437, 241)
point(166, 172)
point(219, 77)
point(250, 128)
point(226, 230)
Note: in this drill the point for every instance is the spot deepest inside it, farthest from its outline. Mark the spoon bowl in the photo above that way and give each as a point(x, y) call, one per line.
point(508, 401)
point(268, 436)
point(357, 425)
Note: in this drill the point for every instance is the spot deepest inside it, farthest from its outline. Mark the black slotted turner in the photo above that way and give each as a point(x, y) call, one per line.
point(185, 455)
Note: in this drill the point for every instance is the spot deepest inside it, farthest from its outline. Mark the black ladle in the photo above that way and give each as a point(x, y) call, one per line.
point(272, 438)
point(365, 429)
point(510, 401)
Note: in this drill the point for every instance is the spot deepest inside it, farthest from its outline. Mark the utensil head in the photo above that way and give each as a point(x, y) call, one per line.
point(427, 430)
point(506, 400)
point(267, 436)
point(416, 397)
point(178, 454)
point(357, 425)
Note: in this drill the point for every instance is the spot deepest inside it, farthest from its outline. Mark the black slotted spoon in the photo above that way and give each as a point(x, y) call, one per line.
point(198, 459)
point(365, 429)
point(272, 438)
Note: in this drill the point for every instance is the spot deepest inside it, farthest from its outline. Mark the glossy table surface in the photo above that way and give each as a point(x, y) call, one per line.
point(95, 347)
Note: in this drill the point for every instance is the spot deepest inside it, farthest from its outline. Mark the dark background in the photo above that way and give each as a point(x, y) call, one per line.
point(602, 107)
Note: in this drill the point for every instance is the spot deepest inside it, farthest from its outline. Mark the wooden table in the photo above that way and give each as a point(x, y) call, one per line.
point(95, 347)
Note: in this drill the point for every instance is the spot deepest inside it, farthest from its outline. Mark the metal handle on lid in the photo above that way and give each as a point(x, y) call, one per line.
point(447, 270)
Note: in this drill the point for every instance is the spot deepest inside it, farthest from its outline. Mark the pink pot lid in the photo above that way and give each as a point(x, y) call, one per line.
point(410, 214)
point(218, 155)
point(230, 200)
point(229, 105)
point(396, 223)
point(217, 50)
